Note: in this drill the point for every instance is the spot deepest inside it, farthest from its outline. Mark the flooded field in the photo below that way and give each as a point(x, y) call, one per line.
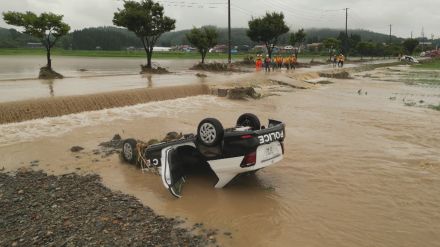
point(97, 75)
point(89, 75)
point(361, 167)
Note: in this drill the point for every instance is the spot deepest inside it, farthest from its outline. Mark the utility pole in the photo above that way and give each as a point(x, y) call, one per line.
point(229, 33)
point(346, 32)
point(390, 34)
point(411, 34)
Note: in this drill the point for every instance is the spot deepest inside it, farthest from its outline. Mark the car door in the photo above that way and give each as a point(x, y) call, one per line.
point(172, 170)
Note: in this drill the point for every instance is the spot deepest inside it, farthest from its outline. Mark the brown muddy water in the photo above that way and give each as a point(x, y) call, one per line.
point(98, 75)
point(18, 76)
point(359, 169)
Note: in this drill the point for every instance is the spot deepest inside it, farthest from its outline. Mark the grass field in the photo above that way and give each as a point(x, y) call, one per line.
point(134, 54)
point(435, 107)
point(96, 53)
point(430, 64)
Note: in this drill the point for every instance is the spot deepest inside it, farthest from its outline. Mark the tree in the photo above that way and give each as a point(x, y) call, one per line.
point(203, 39)
point(267, 29)
point(366, 48)
point(332, 44)
point(146, 19)
point(47, 27)
point(410, 45)
point(297, 38)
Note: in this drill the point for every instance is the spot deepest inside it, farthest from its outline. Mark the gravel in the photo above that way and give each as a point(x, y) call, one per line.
point(72, 210)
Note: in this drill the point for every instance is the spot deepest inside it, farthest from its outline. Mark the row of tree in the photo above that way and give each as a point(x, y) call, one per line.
point(357, 47)
point(113, 38)
point(146, 21)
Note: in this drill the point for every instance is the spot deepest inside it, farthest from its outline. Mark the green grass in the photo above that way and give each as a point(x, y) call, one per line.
point(429, 64)
point(134, 54)
point(96, 53)
point(435, 107)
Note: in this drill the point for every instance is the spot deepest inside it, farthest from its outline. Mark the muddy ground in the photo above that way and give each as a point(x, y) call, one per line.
point(361, 166)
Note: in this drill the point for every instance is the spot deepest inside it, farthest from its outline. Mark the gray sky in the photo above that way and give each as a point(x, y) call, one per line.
point(375, 15)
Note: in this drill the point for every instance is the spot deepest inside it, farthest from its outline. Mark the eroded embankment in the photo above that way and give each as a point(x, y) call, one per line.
point(51, 107)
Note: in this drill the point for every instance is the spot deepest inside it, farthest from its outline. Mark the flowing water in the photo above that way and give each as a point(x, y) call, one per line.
point(360, 169)
point(18, 111)
point(92, 75)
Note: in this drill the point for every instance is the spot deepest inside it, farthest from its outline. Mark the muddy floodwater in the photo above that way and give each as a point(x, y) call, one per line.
point(83, 75)
point(361, 167)
point(89, 75)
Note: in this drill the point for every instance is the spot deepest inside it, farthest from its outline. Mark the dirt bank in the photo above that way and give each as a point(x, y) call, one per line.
point(72, 210)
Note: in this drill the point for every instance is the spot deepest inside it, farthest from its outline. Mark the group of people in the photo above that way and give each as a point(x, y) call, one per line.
point(277, 62)
point(338, 60)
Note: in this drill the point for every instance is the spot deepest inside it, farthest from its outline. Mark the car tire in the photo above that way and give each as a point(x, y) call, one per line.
point(249, 120)
point(210, 132)
point(129, 151)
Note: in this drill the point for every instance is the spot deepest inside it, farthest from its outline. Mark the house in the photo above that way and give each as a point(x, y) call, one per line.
point(314, 46)
point(34, 45)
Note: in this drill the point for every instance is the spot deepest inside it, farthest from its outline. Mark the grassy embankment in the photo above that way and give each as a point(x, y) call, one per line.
point(132, 54)
point(433, 64)
point(141, 54)
point(429, 64)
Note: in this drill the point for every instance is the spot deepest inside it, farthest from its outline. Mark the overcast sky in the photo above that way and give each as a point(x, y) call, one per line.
point(376, 15)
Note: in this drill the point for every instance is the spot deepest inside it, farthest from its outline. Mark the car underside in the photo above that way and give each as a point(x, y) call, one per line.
point(247, 147)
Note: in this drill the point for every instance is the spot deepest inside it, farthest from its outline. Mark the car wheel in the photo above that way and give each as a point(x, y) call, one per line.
point(249, 120)
point(129, 151)
point(210, 132)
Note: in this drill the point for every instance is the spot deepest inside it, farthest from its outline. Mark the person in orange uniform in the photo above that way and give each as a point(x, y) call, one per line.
point(293, 62)
point(258, 62)
point(286, 62)
point(341, 60)
point(279, 60)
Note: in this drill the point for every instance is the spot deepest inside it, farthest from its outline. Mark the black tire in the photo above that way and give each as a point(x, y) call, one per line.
point(129, 151)
point(210, 132)
point(249, 120)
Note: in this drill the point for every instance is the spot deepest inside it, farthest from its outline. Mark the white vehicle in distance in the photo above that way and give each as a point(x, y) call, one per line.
point(409, 59)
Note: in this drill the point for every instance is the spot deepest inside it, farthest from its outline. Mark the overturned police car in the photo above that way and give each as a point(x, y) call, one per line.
point(247, 147)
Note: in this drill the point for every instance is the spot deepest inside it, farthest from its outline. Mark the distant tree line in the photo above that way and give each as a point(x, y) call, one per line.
point(112, 38)
point(106, 38)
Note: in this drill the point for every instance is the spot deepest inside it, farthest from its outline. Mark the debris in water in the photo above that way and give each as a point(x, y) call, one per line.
point(336, 75)
point(240, 93)
point(35, 162)
point(215, 67)
point(201, 75)
point(76, 149)
point(158, 70)
point(48, 73)
point(110, 147)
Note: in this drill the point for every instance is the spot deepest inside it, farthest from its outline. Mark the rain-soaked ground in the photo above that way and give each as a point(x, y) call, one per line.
point(361, 167)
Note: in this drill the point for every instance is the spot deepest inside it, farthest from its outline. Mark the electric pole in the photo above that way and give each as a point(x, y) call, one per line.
point(346, 31)
point(229, 33)
point(390, 34)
